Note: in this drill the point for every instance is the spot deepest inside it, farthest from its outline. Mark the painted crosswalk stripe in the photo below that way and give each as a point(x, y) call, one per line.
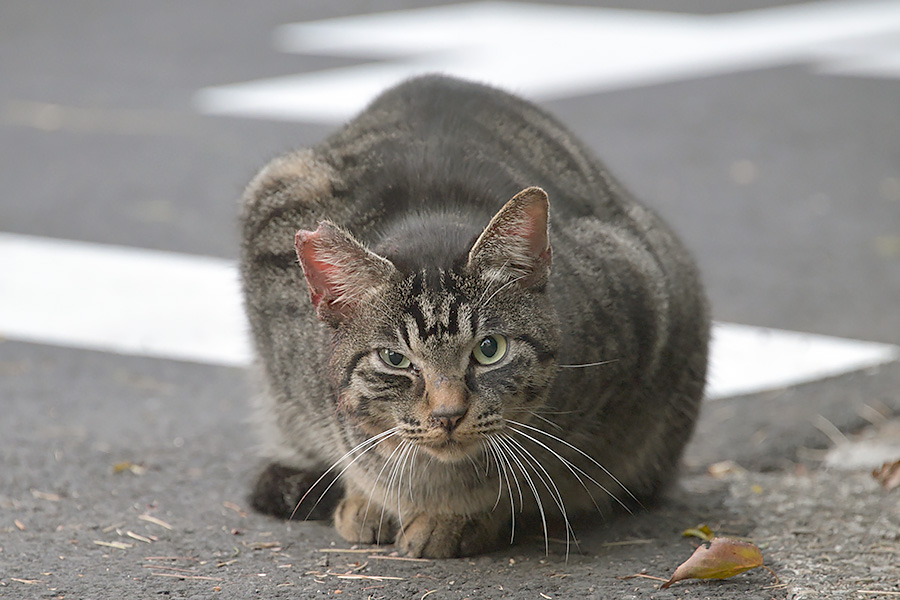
point(552, 51)
point(183, 307)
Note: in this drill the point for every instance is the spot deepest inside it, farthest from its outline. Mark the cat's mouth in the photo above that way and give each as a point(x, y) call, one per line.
point(449, 449)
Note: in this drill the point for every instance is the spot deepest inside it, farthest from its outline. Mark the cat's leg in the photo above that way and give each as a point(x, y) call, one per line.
point(279, 490)
point(449, 536)
point(360, 520)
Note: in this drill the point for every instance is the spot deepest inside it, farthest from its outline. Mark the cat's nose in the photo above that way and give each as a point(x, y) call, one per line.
point(449, 416)
point(448, 399)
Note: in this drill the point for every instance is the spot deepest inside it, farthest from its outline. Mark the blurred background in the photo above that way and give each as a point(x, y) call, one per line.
point(767, 132)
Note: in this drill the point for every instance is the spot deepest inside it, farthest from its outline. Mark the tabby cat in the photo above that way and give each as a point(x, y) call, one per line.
point(426, 370)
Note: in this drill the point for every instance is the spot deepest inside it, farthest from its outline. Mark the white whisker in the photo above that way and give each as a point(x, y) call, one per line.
point(545, 420)
point(510, 453)
point(572, 467)
point(387, 488)
point(412, 464)
point(510, 282)
point(504, 467)
point(363, 447)
point(593, 364)
point(587, 456)
point(396, 474)
point(487, 462)
point(487, 289)
point(549, 484)
point(489, 449)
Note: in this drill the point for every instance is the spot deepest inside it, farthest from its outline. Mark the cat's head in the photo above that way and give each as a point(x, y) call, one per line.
point(442, 355)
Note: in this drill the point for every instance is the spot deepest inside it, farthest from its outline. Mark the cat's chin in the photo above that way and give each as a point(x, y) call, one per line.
point(449, 450)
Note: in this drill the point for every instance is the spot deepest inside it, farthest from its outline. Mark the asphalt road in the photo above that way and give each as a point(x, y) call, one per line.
point(126, 476)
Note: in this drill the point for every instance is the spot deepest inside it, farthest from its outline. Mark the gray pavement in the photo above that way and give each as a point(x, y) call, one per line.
point(784, 181)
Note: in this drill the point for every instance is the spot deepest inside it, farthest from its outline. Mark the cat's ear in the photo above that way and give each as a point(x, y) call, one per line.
point(516, 245)
point(339, 270)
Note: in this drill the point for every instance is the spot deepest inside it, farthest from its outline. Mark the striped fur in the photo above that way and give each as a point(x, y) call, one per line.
point(421, 240)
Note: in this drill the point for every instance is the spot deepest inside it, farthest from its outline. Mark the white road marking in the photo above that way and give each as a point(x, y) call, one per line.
point(545, 52)
point(746, 359)
point(123, 300)
point(175, 306)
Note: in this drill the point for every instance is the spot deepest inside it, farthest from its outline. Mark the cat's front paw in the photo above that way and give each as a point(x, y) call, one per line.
point(451, 536)
point(359, 520)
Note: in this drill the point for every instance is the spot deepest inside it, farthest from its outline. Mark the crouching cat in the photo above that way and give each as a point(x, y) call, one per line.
point(431, 366)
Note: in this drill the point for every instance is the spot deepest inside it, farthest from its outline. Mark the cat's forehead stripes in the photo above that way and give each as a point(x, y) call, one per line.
point(437, 311)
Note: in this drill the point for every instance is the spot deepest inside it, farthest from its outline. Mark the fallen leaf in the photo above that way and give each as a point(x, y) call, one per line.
point(722, 558)
point(701, 531)
point(129, 466)
point(888, 475)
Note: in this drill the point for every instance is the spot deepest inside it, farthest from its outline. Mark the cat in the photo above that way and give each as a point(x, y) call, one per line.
point(430, 367)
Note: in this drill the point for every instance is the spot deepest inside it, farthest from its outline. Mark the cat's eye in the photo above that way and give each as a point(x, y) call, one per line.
point(490, 349)
point(393, 359)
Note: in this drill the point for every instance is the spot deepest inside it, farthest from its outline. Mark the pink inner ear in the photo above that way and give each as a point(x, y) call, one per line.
point(534, 228)
point(318, 272)
point(529, 222)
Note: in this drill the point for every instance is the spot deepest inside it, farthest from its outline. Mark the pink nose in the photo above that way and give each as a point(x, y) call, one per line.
point(449, 416)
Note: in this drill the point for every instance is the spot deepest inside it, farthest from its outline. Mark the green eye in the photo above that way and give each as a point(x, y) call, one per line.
point(393, 359)
point(490, 350)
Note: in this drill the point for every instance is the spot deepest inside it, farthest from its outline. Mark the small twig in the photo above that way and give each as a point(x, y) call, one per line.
point(405, 558)
point(264, 545)
point(881, 592)
point(155, 521)
point(138, 537)
point(180, 570)
point(180, 576)
point(372, 577)
point(353, 550)
point(627, 543)
point(51, 497)
point(350, 575)
point(427, 593)
point(117, 545)
point(643, 575)
point(235, 508)
point(359, 566)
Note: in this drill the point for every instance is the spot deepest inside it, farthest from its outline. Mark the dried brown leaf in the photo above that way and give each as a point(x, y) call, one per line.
point(722, 558)
point(888, 475)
